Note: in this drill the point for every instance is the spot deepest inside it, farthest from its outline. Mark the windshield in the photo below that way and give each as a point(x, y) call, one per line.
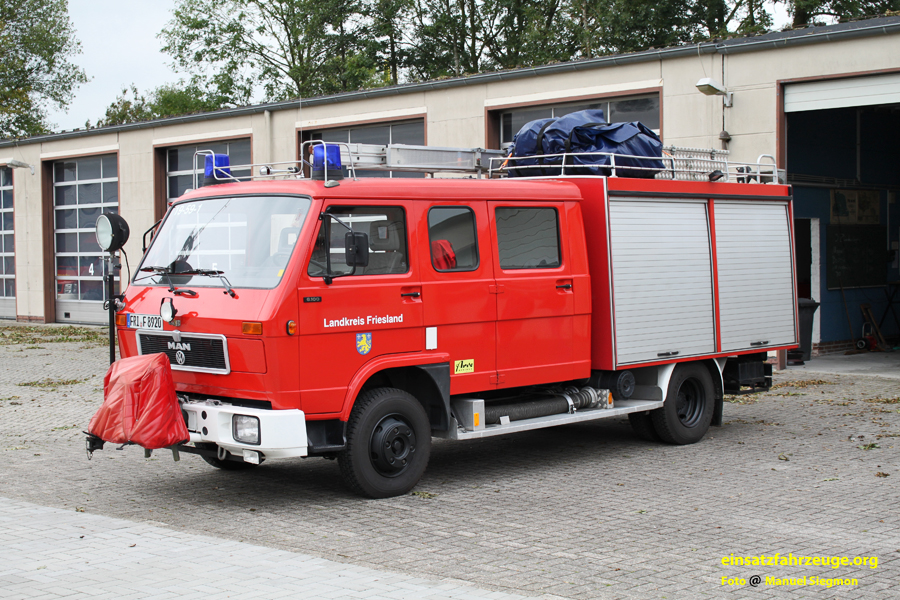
point(247, 239)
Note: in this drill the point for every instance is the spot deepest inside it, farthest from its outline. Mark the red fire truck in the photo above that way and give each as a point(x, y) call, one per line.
point(356, 318)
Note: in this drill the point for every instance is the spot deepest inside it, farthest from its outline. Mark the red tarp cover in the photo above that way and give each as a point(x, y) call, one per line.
point(139, 404)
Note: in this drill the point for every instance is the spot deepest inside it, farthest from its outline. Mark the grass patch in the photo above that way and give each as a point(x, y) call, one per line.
point(741, 399)
point(51, 383)
point(803, 383)
point(33, 337)
point(883, 400)
point(424, 495)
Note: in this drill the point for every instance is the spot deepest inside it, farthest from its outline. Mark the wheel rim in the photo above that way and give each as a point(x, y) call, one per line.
point(392, 445)
point(690, 401)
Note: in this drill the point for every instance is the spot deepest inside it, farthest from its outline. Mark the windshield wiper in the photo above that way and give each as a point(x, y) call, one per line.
point(165, 272)
point(211, 273)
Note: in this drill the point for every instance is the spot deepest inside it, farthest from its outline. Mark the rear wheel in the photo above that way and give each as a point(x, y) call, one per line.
point(688, 410)
point(388, 444)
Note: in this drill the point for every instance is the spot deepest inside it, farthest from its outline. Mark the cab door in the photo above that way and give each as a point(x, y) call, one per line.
point(457, 276)
point(535, 293)
point(365, 312)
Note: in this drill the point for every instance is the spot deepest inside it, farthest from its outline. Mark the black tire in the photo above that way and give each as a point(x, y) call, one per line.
point(229, 465)
point(642, 424)
point(862, 344)
point(688, 411)
point(388, 444)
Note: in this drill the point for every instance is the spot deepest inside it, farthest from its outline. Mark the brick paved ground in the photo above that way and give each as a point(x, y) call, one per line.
point(583, 511)
point(55, 553)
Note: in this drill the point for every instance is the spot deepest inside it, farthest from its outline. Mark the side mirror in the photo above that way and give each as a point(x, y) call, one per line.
point(356, 247)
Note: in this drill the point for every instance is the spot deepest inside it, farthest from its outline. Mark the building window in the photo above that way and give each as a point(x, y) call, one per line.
point(616, 110)
point(180, 164)
point(409, 132)
point(7, 252)
point(83, 189)
point(528, 238)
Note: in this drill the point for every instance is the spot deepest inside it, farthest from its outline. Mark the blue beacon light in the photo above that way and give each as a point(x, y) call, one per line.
point(217, 166)
point(327, 156)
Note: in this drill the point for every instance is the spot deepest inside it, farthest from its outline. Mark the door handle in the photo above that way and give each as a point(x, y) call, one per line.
point(567, 286)
point(410, 295)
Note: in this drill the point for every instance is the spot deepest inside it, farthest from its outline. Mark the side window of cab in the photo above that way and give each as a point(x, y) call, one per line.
point(452, 238)
point(528, 237)
point(385, 227)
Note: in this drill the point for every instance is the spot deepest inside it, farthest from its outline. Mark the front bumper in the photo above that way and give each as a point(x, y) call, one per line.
point(282, 433)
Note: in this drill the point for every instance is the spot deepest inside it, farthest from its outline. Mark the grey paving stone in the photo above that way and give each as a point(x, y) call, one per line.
point(542, 512)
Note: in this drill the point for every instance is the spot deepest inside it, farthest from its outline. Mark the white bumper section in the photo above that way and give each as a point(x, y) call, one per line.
point(282, 433)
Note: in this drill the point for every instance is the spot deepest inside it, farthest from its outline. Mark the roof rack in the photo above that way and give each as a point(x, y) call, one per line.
point(678, 163)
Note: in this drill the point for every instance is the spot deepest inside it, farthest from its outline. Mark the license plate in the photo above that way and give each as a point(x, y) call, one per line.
point(144, 321)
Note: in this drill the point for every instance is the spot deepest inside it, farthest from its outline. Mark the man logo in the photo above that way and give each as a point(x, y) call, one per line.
point(179, 346)
point(363, 343)
point(179, 357)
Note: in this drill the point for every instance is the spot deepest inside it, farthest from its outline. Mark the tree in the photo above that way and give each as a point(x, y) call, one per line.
point(618, 26)
point(37, 43)
point(288, 48)
point(391, 28)
point(808, 12)
point(169, 100)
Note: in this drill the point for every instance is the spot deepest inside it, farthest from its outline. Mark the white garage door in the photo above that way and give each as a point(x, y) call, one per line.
point(756, 284)
point(662, 279)
point(842, 93)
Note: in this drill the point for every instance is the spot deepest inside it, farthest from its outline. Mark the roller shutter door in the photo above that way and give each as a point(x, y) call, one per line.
point(755, 267)
point(662, 279)
point(842, 93)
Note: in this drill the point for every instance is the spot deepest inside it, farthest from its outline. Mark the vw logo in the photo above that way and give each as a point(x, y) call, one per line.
point(179, 357)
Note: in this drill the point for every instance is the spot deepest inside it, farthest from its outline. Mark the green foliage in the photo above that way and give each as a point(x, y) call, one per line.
point(169, 100)
point(34, 335)
point(234, 49)
point(37, 43)
point(811, 12)
point(289, 48)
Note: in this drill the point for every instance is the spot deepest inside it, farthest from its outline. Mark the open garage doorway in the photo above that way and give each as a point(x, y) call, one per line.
point(843, 160)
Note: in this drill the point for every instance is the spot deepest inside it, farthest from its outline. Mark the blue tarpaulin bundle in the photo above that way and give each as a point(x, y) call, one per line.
point(525, 144)
point(585, 131)
point(633, 140)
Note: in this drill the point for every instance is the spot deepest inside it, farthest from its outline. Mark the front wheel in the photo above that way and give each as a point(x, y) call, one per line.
point(388, 444)
point(688, 410)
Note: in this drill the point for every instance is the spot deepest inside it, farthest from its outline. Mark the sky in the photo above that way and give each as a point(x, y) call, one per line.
point(119, 47)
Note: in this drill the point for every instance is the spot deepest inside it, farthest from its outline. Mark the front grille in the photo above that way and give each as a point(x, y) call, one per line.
point(191, 353)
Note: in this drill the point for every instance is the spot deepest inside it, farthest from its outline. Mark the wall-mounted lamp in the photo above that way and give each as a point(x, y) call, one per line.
point(711, 87)
point(18, 164)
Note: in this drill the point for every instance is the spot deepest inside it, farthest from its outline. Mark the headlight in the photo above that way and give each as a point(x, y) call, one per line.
point(245, 429)
point(112, 232)
point(167, 310)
